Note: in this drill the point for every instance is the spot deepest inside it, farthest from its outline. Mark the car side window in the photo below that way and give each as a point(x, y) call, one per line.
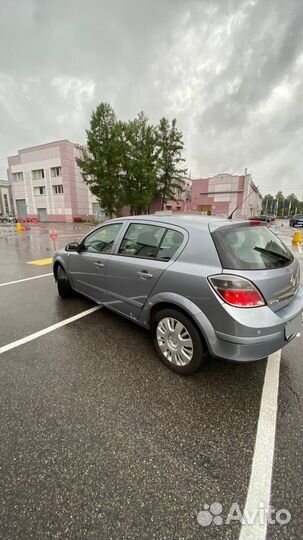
point(171, 242)
point(150, 241)
point(102, 240)
point(141, 240)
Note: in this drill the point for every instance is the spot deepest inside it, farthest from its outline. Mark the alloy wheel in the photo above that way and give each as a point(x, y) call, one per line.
point(174, 341)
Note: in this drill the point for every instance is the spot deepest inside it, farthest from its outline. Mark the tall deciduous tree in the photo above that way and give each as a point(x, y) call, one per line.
point(170, 171)
point(100, 162)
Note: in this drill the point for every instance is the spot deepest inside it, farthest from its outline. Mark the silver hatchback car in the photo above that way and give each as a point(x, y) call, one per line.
point(200, 284)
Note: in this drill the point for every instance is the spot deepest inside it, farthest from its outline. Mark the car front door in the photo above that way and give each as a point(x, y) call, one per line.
point(144, 253)
point(87, 267)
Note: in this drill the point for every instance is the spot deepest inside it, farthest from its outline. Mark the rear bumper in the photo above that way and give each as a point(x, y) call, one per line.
point(251, 341)
point(250, 352)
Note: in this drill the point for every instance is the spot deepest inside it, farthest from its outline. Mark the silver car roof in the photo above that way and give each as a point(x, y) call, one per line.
point(184, 220)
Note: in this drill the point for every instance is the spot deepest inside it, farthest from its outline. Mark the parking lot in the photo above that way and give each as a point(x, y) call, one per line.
point(99, 440)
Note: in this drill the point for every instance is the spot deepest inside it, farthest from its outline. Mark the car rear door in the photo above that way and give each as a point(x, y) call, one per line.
point(145, 251)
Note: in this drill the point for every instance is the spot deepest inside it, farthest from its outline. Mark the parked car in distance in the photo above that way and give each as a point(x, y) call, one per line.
point(199, 283)
point(299, 223)
point(263, 217)
point(295, 219)
point(7, 219)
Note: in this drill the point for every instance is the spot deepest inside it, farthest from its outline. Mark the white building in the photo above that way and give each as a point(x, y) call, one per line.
point(6, 206)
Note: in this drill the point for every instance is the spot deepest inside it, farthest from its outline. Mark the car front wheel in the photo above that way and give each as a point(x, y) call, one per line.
point(63, 284)
point(177, 341)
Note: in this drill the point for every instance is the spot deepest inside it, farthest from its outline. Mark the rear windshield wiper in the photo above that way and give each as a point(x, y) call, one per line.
point(270, 252)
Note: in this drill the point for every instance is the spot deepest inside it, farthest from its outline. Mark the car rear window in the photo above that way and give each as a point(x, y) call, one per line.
point(250, 248)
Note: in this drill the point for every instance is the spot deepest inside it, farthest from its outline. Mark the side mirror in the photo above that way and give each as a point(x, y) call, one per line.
point(73, 246)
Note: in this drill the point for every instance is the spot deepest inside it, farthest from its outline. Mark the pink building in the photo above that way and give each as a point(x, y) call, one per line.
point(222, 193)
point(47, 184)
point(180, 204)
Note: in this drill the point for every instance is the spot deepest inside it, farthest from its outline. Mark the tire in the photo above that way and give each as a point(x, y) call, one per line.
point(171, 327)
point(63, 284)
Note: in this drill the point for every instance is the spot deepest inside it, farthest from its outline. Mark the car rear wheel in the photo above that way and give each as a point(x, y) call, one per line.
point(177, 341)
point(63, 284)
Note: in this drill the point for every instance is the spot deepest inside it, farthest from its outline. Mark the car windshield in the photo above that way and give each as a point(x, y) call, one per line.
point(251, 248)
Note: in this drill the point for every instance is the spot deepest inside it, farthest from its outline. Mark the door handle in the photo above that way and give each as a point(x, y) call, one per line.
point(99, 264)
point(144, 274)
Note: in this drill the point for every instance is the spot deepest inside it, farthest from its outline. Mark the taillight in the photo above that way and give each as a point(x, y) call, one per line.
point(237, 291)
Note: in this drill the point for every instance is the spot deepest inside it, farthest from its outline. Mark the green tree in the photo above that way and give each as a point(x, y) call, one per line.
point(267, 203)
point(284, 205)
point(280, 204)
point(293, 205)
point(100, 161)
point(139, 163)
point(131, 163)
point(170, 148)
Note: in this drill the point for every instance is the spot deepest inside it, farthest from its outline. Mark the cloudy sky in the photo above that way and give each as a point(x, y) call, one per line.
point(230, 71)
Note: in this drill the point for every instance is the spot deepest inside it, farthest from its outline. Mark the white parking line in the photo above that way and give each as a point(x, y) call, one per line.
point(260, 480)
point(25, 279)
point(47, 330)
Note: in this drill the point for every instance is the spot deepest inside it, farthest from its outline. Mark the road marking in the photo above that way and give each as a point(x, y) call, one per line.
point(47, 330)
point(25, 279)
point(41, 262)
point(299, 248)
point(261, 472)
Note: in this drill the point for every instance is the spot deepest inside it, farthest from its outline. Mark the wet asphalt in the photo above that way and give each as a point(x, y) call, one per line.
point(99, 440)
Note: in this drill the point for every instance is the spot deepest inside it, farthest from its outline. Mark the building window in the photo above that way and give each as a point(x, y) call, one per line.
point(58, 189)
point(5, 199)
point(55, 171)
point(39, 190)
point(38, 174)
point(18, 177)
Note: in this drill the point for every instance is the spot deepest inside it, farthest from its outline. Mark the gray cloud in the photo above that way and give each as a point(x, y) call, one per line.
point(229, 71)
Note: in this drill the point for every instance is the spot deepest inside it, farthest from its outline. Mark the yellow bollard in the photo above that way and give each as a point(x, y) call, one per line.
point(18, 227)
point(297, 238)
